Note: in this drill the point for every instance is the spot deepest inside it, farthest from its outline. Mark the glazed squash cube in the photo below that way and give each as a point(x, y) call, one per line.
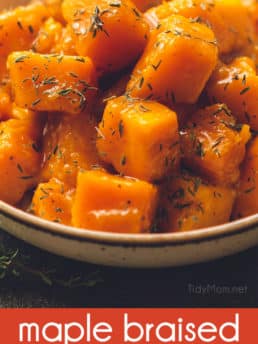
point(19, 157)
point(51, 201)
point(229, 19)
point(189, 203)
point(110, 203)
point(176, 64)
point(19, 27)
point(112, 34)
point(237, 86)
point(69, 144)
point(52, 82)
point(139, 138)
point(213, 146)
point(247, 197)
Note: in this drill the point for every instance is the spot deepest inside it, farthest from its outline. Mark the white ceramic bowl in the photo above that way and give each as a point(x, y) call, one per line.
point(144, 250)
point(139, 250)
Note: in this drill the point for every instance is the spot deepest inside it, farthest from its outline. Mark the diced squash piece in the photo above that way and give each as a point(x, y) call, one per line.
point(52, 82)
point(51, 201)
point(48, 37)
point(213, 146)
point(139, 138)
point(143, 5)
point(19, 27)
point(110, 203)
point(69, 144)
point(177, 62)
point(247, 198)
point(237, 86)
point(189, 203)
point(112, 34)
point(230, 20)
point(19, 157)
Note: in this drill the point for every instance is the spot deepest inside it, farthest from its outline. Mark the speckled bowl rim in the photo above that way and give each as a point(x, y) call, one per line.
point(116, 239)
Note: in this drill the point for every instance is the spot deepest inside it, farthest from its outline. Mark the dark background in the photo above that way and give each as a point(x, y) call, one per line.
point(116, 287)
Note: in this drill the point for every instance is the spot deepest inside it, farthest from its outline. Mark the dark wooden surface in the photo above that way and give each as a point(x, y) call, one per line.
point(137, 288)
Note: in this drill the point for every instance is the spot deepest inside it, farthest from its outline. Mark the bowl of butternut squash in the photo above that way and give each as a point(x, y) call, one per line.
point(128, 128)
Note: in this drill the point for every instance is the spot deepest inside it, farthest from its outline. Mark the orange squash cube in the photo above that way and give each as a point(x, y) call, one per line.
point(189, 203)
point(213, 146)
point(110, 203)
point(51, 201)
point(230, 20)
point(20, 26)
point(139, 138)
point(176, 64)
point(237, 86)
point(69, 144)
point(112, 34)
point(52, 82)
point(20, 158)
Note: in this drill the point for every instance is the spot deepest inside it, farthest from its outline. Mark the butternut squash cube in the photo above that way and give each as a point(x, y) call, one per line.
point(110, 203)
point(189, 203)
point(69, 144)
point(230, 20)
point(19, 158)
point(139, 138)
point(213, 145)
point(247, 197)
point(237, 86)
point(112, 34)
point(52, 82)
point(19, 27)
point(51, 201)
point(176, 64)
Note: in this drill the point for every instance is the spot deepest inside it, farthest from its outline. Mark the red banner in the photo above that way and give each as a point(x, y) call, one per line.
point(118, 326)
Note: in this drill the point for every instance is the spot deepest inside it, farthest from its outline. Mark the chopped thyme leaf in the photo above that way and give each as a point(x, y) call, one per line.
point(21, 59)
point(244, 90)
point(31, 30)
point(20, 168)
point(115, 4)
point(199, 149)
point(249, 190)
point(36, 102)
point(26, 177)
point(79, 59)
point(121, 128)
point(123, 160)
point(155, 67)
